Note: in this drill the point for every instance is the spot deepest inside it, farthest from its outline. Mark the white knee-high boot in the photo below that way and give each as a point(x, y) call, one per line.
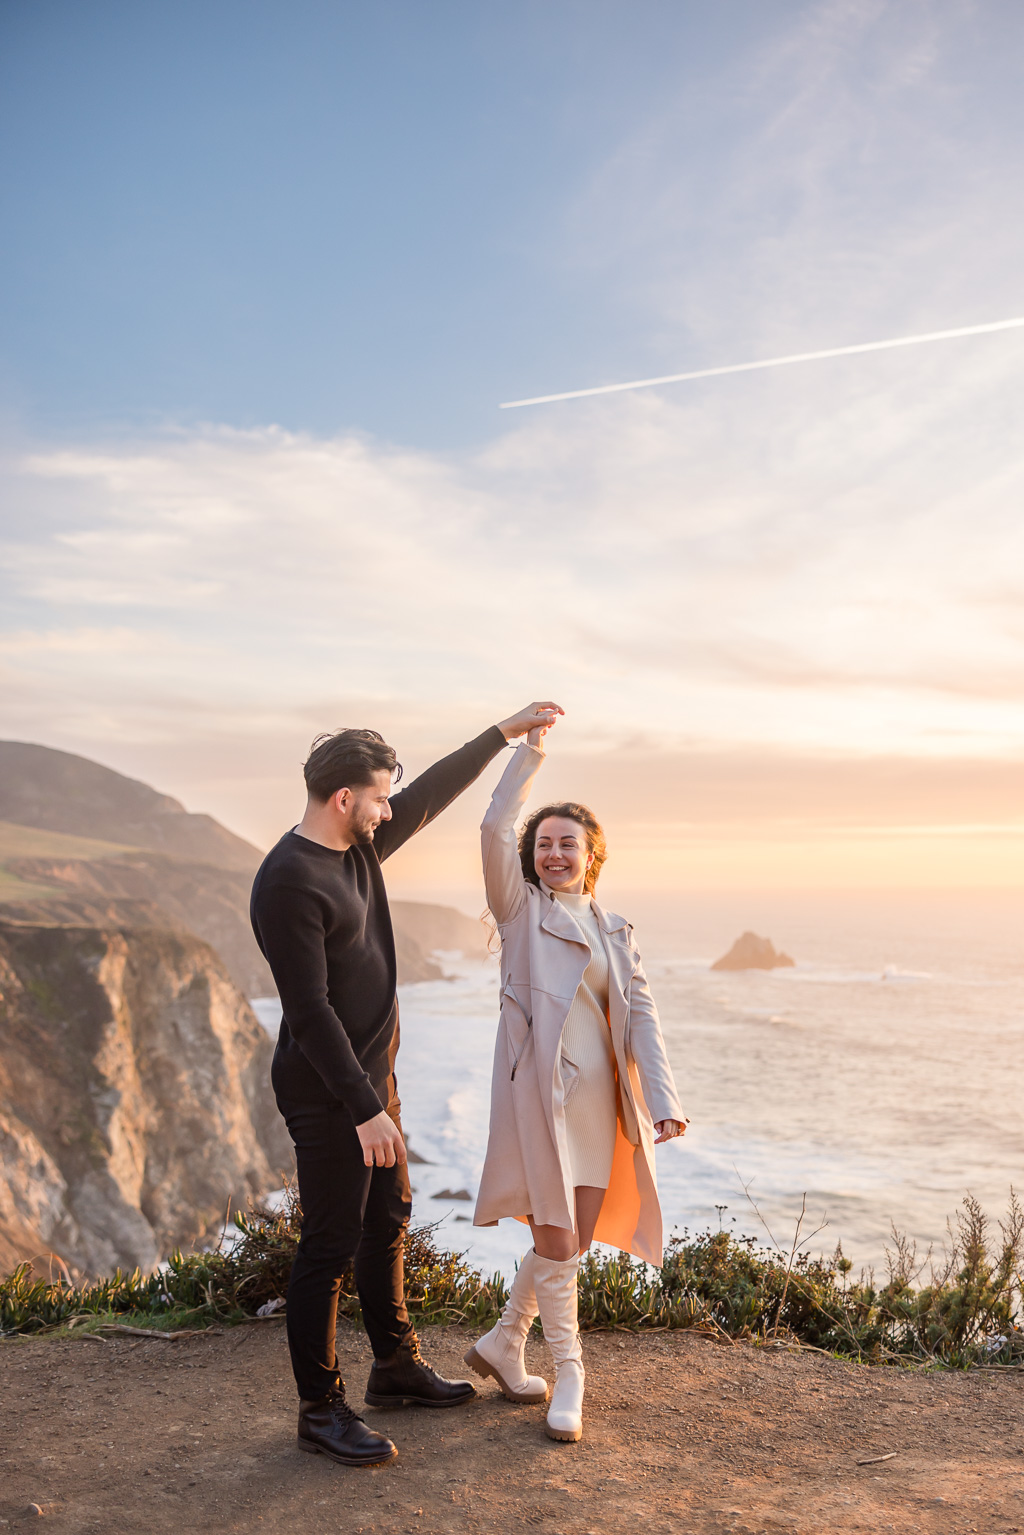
point(558, 1303)
point(500, 1352)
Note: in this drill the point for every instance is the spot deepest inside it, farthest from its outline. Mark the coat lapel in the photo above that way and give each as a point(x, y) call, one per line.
point(609, 921)
point(620, 967)
point(559, 921)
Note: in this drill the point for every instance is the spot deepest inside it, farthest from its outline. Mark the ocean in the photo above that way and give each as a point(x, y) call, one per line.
point(881, 1077)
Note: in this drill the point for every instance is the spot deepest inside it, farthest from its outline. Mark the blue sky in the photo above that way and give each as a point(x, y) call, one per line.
point(268, 271)
point(388, 217)
point(326, 215)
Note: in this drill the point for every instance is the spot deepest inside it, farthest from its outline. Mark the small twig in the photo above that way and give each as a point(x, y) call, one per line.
point(789, 1263)
point(754, 1206)
point(876, 1460)
point(155, 1332)
point(224, 1227)
point(51, 1259)
point(720, 1335)
point(802, 1348)
point(842, 1324)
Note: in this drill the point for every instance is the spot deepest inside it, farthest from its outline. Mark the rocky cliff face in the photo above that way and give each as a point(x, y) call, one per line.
point(439, 928)
point(212, 903)
point(134, 1094)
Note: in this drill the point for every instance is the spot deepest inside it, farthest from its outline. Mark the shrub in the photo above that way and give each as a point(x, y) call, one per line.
point(968, 1312)
point(232, 1282)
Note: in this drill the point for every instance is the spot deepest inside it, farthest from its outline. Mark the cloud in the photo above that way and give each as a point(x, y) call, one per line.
point(756, 577)
point(809, 586)
point(850, 177)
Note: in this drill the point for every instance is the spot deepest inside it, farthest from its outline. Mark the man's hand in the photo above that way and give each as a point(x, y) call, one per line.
point(381, 1141)
point(536, 716)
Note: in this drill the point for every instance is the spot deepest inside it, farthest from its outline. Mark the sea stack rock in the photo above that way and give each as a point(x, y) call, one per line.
point(750, 952)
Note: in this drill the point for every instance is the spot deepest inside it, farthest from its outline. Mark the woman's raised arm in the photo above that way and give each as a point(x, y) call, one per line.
point(503, 873)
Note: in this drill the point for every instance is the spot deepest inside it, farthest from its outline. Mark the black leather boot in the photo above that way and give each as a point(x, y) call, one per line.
point(331, 1427)
point(405, 1378)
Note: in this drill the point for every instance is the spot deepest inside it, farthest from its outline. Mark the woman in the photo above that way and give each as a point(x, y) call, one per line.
point(581, 1083)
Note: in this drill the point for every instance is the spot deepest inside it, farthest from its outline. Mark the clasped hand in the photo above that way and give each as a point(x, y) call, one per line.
point(535, 717)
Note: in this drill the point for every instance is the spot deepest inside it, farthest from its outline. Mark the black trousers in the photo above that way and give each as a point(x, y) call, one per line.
point(352, 1215)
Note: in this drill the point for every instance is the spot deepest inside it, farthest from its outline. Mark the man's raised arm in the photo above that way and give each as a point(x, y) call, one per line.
point(435, 788)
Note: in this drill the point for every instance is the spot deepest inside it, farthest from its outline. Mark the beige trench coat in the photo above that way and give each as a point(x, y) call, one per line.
point(543, 957)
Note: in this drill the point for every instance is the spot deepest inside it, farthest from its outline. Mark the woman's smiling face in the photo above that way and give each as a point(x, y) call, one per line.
point(561, 855)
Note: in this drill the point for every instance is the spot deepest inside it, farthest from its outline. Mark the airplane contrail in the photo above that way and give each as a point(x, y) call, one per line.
point(771, 362)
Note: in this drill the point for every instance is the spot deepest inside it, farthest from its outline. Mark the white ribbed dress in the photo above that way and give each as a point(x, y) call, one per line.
point(588, 1060)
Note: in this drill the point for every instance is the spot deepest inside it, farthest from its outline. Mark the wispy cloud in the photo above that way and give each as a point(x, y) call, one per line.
point(843, 181)
point(821, 577)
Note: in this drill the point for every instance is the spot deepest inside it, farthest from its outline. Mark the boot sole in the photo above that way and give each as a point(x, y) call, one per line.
point(377, 1399)
point(564, 1435)
point(342, 1460)
point(478, 1363)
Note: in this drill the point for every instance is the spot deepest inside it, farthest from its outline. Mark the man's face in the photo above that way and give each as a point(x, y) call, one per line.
point(368, 806)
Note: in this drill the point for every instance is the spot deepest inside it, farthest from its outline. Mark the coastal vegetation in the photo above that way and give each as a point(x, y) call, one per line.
point(959, 1310)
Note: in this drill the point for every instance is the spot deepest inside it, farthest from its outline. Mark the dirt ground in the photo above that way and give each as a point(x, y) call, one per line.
point(680, 1435)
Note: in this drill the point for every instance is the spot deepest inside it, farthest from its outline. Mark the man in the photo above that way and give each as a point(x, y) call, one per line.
point(320, 915)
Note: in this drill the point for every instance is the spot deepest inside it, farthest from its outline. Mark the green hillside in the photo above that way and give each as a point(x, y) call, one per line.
point(18, 842)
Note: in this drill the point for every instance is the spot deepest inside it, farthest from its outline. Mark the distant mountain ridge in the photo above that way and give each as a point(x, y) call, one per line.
point(58, 791)
point(81, 843)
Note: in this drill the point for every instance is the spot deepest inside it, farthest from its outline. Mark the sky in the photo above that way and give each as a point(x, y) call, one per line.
point(267, 273)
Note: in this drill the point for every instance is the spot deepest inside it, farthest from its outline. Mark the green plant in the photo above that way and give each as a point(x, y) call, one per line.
point(968, 1312)
point(235, 1280)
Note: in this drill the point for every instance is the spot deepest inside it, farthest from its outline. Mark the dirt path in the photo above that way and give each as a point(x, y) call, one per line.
point(681, 1435)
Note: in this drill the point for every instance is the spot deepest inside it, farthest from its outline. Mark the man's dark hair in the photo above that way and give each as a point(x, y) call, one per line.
point(347, 759)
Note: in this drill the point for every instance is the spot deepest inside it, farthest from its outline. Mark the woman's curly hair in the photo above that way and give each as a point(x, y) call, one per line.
point(569, 810)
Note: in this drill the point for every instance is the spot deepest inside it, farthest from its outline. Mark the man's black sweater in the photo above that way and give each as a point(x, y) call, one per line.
point(322, 921)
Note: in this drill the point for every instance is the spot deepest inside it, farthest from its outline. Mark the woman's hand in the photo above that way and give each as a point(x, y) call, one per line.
point(670, 1129)
point(536, 716)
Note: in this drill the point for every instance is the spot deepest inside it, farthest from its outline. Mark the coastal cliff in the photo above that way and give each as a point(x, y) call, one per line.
point(115, 885)
point(212, 903)
point(135, 1089)
point(135, 1094)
